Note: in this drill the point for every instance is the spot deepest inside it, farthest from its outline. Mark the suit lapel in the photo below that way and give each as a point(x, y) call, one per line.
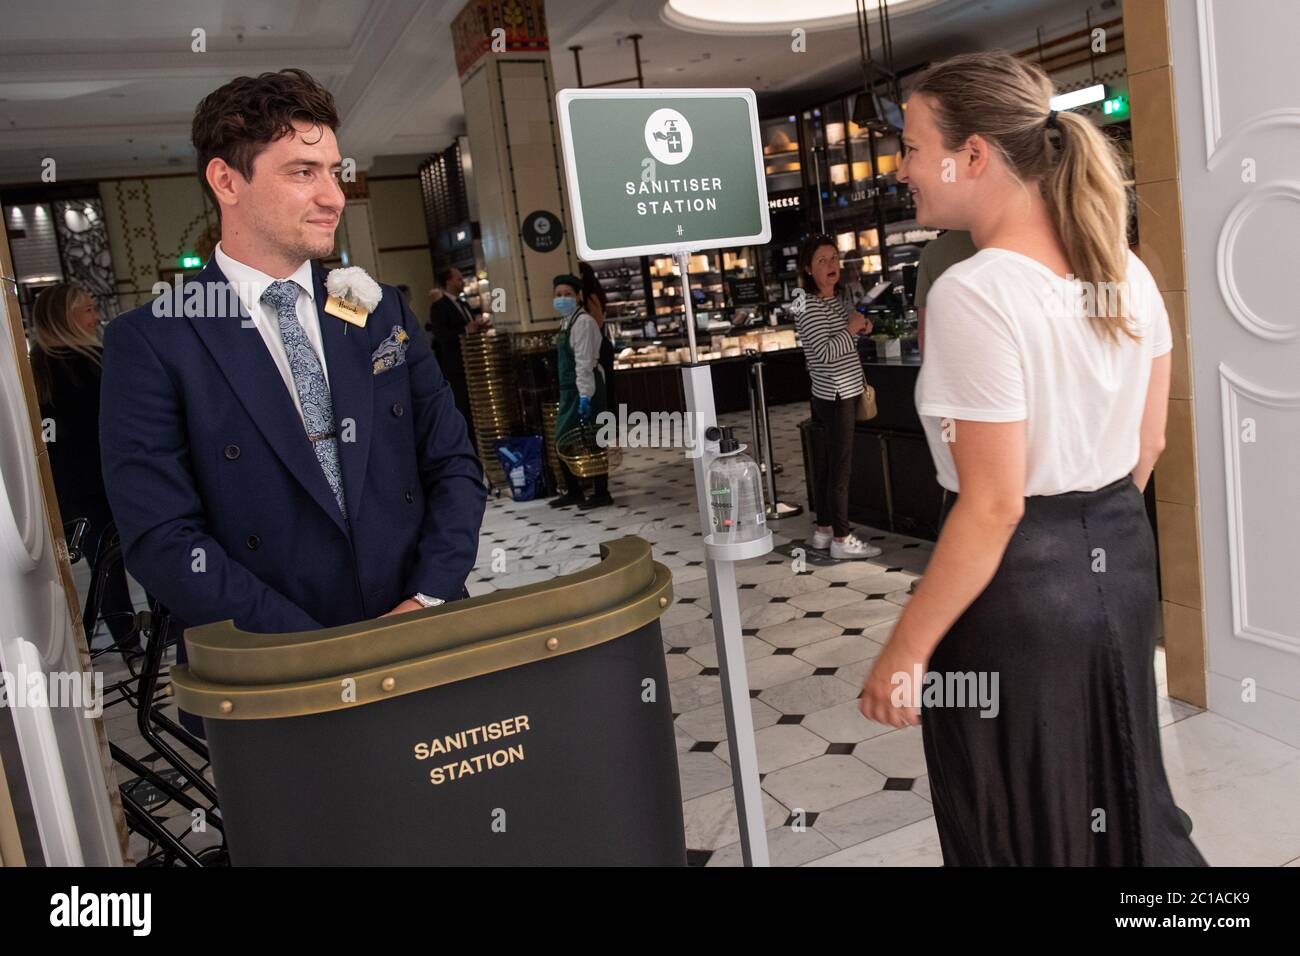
point(240, 353)
point(352, 389)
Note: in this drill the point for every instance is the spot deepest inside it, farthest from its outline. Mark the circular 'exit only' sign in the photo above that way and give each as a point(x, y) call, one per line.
point(543, 231)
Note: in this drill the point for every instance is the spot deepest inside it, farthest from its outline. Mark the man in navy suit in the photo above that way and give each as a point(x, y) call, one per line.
point(265, 460)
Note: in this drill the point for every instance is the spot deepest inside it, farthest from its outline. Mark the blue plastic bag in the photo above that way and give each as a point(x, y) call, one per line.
point(521, 460)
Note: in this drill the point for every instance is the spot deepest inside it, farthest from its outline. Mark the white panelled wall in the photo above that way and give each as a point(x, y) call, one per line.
point(1237, 92)
point(59, 760)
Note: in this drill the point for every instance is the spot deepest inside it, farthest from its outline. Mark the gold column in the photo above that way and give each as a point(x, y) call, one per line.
point(504, 61)
point(1160, 234)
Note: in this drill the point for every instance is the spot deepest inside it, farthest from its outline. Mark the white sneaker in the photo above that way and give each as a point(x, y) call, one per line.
point(853, 547)
point(820, 540)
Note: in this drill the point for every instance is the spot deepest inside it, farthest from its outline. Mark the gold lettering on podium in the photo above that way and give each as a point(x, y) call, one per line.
point(467, 765)
point(476, 764)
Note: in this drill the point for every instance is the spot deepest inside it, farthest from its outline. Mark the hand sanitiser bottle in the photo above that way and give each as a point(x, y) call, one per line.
point(736, 510)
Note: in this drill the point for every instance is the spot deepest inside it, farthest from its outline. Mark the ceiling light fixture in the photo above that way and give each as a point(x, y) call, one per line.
point(1076, 98)
point(769, 16)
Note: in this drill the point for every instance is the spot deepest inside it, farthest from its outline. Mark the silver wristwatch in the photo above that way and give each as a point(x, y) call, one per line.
point(425, 601)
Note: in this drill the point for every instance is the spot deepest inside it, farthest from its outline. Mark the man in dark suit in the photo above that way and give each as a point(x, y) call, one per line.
point(449, 319)
point(267, 461)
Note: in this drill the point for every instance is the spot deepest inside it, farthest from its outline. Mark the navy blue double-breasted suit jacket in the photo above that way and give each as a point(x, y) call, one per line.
point(223, 509)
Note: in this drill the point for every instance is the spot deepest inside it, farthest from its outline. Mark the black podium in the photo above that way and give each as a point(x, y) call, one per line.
point(529, 726)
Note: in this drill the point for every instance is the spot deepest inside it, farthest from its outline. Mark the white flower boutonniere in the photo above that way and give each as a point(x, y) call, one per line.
point(353, 295)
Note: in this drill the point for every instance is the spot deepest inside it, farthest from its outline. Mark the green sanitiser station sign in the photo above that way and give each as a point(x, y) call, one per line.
point(661, 171)
point(671, 172)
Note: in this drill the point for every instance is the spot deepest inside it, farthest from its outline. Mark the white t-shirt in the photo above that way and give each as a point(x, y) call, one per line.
point(1006, 340)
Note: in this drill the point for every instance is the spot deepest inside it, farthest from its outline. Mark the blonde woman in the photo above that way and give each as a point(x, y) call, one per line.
point(1043, 398)
point(65, 358)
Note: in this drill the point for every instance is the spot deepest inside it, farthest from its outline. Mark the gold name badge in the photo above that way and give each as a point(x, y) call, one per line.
point(347, 311)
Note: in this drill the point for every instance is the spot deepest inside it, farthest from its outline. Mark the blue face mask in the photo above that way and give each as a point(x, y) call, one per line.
point(564, 304)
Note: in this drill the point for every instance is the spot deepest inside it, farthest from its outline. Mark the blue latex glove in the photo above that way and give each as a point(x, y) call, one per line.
point(584, 407)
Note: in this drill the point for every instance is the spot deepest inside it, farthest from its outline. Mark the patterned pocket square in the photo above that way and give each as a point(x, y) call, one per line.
point(391, 352)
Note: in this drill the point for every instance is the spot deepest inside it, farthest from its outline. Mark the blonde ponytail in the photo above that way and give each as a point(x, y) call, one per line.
point(1005, 100)
point(1085, 191)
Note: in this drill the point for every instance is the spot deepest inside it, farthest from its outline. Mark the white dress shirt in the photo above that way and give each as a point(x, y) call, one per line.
point(584, 339)
point(249, 285)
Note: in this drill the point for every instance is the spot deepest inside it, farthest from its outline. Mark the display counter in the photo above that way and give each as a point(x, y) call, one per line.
point(727, 343)
point(893, 484)
point(658, 388)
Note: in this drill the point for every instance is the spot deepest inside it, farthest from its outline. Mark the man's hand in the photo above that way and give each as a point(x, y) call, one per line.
point(410, 604)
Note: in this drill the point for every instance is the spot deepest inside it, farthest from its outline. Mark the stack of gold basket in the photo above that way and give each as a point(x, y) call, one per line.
point(549, 412)
point(493, 395)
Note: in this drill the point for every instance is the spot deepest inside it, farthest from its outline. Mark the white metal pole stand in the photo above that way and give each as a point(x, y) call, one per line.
point(697, 384)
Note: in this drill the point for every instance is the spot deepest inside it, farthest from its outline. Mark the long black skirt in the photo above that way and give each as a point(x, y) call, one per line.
point(1069, 771)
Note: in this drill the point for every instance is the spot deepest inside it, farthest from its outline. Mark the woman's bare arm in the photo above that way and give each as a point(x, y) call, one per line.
point(1154, 416)
point(990, 460)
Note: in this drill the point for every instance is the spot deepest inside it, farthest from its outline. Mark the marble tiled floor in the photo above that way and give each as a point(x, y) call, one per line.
point(810, 639)
point(861, 790)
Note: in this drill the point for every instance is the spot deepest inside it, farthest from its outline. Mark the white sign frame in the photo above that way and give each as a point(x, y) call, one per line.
point(562, 100)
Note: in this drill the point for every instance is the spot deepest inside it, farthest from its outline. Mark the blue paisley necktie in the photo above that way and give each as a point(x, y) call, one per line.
point(309, 381)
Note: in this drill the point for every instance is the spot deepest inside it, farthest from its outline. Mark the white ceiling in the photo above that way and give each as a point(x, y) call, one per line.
point(109, 89)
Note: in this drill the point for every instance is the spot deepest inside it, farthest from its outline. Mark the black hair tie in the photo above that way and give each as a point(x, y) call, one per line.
point(1051, 120)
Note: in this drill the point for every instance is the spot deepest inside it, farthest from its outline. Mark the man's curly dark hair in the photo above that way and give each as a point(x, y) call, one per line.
point(242, 118)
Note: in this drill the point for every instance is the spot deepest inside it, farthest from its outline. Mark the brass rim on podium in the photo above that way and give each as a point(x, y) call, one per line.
point(235, 675)
point(493, 395)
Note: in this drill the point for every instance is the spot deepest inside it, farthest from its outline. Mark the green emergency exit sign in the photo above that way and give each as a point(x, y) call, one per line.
point(658, 171)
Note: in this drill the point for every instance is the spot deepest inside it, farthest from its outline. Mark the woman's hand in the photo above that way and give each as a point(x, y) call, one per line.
point(868, 327)
point(857, 323)
point(881, 688)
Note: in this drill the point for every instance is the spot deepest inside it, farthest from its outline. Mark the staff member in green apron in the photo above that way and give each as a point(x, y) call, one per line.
point(582, 384)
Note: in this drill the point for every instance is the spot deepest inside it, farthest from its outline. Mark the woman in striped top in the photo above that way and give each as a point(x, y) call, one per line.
point(829, 333)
